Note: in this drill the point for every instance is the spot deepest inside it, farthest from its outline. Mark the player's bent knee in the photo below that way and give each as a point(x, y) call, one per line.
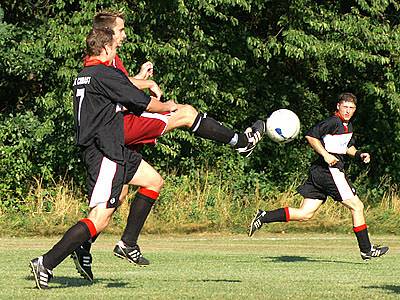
point(189, 113)
point(354, 204)
point(155, 184)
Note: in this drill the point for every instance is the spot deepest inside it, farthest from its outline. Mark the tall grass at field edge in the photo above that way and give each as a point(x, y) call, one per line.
point(205, 202)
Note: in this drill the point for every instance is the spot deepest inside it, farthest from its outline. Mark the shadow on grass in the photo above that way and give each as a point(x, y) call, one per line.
point(218, 280)
point(206, 280)
point(395, 289)
point(64, 282)
point(279, 259)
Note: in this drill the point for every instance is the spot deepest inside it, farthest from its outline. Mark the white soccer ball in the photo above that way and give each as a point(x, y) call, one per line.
point(283, 126)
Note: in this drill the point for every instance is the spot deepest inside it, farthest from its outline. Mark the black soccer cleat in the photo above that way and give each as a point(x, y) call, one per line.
point(83, 263)
point(256, 223)
point(40, 273)
point(254, 134)
point(132, 254)
point(376, 251)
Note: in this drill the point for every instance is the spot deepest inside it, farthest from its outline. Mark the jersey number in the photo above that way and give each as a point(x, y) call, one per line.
point(80, 94)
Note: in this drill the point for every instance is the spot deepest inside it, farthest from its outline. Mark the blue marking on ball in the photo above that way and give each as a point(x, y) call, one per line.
point(279, 131)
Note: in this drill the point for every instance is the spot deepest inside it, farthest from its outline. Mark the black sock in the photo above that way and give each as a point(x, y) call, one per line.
point(87, 245)
point(73, 238)
point(211, 129)
point(361, 233)
point(278, 215)
point(138, 212)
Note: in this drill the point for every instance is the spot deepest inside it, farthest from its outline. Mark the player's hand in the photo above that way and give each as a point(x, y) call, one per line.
point(365, 157)
point(171, 105)
point(146, 71)
point(155, 90)
point(330, 159)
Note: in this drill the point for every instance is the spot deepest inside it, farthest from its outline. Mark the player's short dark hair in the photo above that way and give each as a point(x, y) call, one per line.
point(97, 39)
point(106, 19)
point(347, 97)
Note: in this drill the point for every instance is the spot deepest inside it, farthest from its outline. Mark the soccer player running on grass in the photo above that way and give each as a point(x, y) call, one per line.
point(332, 139)
point(99, 90)
point(145, 129)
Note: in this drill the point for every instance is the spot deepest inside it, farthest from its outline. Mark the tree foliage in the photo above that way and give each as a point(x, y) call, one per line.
point(238, 60)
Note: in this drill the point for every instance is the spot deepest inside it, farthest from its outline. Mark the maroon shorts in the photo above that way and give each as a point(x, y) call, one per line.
point(144, 129)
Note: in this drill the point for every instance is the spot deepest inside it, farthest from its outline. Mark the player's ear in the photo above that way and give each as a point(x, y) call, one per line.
point(337, 106)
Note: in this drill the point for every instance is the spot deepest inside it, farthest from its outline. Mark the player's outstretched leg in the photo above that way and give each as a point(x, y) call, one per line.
point(254, 134)
point(83, 262)
point(208, 128)
point(376, 251)
point(40, 273)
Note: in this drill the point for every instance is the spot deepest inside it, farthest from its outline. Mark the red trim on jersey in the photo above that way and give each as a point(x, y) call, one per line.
point(345, 123)
point(90, 225)
point(337, 114)
point(287, 214)
point(360, 228)
point(148, 193)
point(91, 61)
point(117, 63)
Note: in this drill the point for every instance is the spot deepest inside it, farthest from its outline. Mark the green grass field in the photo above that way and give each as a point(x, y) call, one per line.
point(267, 266)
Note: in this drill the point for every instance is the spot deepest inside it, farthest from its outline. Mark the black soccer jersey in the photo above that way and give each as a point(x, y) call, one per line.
point(99, 92)
point(335, 136)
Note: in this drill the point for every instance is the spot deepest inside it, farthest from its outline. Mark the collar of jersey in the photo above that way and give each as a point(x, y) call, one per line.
point(337, 114)
point(91, 61)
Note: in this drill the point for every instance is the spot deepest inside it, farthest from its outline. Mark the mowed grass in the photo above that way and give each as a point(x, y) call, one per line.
point(267, 266)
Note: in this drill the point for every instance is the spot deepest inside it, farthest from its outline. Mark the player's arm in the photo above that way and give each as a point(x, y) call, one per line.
point(143, 84)
point(363, 156)
point(320, 149)
point(156, 106)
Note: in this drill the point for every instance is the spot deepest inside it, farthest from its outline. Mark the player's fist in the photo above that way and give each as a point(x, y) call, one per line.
point(330, 159)
point(146, 70)
point(365, 157)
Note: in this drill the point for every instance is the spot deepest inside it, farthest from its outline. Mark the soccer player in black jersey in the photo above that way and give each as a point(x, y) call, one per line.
point(99, 92)
point(332, 139)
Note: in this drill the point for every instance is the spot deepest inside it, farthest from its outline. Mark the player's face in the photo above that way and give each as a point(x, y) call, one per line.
point(119, 31)
point(346, 110)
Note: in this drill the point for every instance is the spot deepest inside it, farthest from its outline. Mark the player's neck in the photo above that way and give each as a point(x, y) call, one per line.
point(97, 60)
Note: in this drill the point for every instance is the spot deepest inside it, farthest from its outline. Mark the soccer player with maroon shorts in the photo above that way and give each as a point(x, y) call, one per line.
point(332, 139)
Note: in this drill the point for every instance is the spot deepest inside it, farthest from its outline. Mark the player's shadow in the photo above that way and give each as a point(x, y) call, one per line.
point(395, 289)
point(64, 282)
point(206, 280)
point(218, 280)
point(286, 258)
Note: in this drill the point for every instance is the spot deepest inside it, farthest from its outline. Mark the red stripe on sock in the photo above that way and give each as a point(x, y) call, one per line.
point(360, 228)
point(148, 193)
point(90, 225)
point(287, 214)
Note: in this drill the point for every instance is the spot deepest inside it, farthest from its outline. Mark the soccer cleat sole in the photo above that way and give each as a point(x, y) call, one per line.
point(79, 268)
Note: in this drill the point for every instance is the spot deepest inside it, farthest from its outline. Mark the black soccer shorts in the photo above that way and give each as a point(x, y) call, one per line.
point(105, 178)
point(323, 182)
